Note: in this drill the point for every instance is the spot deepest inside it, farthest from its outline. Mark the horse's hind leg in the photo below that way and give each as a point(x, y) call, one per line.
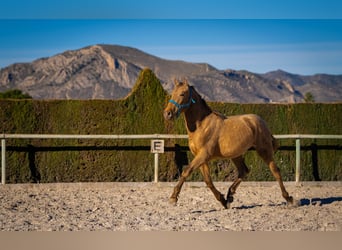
point(276, 173)
point(268, 158)
point(206, 175)
point(242, 173)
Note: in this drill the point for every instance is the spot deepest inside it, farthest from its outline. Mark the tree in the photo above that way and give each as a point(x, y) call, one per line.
point(14, 94)
point(308, 97)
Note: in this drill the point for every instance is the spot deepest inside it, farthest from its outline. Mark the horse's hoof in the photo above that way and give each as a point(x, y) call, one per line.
point(293, 203)
point(173, 201)
point(230, 199)
point(224, 203)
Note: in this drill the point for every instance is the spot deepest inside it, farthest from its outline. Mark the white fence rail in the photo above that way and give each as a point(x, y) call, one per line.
point(3, 137)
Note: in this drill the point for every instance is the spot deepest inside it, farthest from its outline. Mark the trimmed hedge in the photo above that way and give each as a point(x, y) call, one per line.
point(142, 113)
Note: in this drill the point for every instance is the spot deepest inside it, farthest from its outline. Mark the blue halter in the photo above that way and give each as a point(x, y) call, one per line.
point(183, 106)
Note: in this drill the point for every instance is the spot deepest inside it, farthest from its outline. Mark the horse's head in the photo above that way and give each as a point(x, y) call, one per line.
point(181, 99)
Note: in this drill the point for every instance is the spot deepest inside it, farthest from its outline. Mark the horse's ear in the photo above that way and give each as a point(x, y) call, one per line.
point(177, 83)
point(186, 81)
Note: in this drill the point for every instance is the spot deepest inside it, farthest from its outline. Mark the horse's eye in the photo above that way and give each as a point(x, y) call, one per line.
point(182, 94)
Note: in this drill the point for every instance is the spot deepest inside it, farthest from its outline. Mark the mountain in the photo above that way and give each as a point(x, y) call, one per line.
point(110, 72)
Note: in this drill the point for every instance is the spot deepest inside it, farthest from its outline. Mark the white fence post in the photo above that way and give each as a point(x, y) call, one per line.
point(3, 161)
point(156, 166)
point(297, 160)
point(157, 146)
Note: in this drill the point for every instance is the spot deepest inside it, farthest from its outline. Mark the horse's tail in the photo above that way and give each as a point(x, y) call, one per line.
point(274, 144)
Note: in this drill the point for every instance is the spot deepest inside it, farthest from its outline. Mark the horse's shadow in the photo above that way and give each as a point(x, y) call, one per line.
point(203, 211)
point(248, 206)
point(319, 201)
point(302, 202)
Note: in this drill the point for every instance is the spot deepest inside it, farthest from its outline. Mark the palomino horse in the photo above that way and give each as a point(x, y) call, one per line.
point(212, 135)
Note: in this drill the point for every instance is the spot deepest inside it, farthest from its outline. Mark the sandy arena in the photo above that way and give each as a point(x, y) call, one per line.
point(258, 206)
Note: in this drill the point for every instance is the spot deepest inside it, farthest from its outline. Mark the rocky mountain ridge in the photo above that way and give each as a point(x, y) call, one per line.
point(110, 72)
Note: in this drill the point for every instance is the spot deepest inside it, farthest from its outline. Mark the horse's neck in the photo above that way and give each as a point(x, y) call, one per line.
point(195, 114)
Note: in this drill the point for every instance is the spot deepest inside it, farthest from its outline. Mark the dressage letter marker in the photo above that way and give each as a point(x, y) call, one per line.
point(157, 146)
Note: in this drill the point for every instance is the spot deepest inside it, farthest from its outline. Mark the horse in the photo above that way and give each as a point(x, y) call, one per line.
point(212, 135)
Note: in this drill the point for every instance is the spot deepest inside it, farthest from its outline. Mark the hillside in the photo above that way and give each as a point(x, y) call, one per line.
point(110, 71)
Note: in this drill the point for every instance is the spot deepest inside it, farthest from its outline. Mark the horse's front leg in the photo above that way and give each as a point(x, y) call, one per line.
point(196, 162)
point(174, 197)
point(206, 175)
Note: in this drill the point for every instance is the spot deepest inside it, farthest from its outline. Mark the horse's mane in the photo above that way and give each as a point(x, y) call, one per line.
point(219, 114)
point(206, 106)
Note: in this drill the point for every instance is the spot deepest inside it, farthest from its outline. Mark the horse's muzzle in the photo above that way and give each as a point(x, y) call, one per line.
point(168, 115)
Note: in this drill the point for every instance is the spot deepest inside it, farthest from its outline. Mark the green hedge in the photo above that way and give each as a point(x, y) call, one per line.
point(141, 113)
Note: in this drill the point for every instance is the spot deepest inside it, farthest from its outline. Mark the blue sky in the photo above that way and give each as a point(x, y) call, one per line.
point(306, 37)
